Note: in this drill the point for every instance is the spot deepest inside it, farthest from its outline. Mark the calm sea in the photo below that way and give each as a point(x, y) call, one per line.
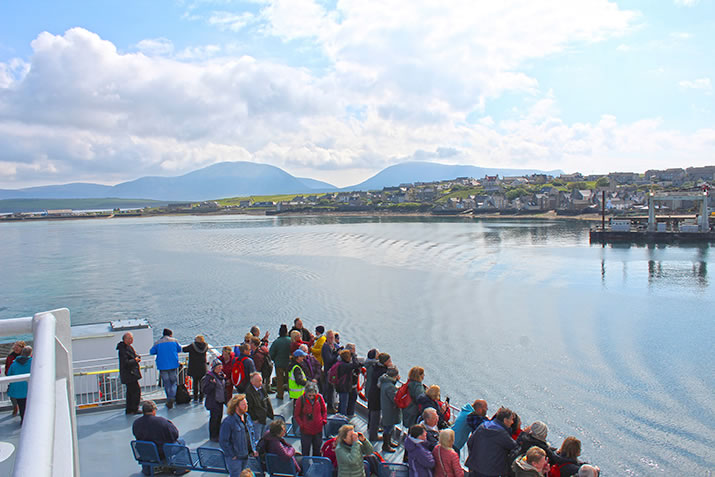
point(610, 344)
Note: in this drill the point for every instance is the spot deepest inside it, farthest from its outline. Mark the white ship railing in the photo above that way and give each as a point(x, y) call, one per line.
point(48, 439)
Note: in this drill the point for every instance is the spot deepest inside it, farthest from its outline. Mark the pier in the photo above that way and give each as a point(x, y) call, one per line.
point(659, 229)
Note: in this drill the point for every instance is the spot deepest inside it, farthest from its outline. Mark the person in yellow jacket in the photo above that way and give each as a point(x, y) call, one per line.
point(317, 348)
point(296, 375)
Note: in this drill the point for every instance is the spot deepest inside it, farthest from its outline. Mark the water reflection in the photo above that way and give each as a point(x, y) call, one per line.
point(694, 273)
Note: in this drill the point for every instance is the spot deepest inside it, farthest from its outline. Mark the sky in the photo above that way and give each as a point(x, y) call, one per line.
point(106, 92)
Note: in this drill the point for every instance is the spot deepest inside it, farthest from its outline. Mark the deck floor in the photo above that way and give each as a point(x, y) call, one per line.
point(104, 435)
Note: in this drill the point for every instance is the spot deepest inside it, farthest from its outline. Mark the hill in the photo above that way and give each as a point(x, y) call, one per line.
point(410, 172)
point(225, 179)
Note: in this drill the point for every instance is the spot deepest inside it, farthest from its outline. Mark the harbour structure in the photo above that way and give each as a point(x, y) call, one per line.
point(660, 229)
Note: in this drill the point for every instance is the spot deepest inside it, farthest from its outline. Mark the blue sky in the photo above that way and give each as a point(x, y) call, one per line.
point(110, 91)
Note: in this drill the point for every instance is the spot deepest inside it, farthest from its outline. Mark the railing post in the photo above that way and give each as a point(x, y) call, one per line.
point(48, 440)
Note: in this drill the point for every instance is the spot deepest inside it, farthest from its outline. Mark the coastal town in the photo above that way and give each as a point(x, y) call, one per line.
point(574, 194)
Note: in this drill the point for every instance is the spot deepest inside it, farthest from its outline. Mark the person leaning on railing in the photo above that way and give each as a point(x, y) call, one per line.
point(18, 390)
point(129, 372)
point(16, 350)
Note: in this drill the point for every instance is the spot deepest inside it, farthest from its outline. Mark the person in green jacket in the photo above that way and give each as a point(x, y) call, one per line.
point(350, 450)
point(280, 354)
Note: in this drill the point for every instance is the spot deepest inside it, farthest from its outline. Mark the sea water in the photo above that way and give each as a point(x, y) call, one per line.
point(611, 344)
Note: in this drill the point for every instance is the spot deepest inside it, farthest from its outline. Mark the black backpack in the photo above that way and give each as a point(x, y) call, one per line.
point(182, 394)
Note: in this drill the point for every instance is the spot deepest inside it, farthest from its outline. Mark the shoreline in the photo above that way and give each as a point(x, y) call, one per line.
point(550, 215)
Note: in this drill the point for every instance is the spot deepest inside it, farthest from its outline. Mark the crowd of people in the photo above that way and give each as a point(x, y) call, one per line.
point(322, 377)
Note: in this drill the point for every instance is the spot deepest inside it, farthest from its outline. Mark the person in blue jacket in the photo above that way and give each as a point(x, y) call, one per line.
point(490, 444)
point(167, 351)
point(236, 436)
point(18, 390)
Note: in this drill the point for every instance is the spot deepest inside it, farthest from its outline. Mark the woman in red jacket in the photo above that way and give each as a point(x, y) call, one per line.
point(446, 460)
point(311, 415)
point(227, 358)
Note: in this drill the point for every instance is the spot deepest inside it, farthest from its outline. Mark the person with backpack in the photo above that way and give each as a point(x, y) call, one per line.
point(310, 366)
point(391, 414)
point(243, 367)
point(197, 364)
point(213, 385)
point(567, 454)
point(329, 353)
point(535, 435)
point(414, 389)
point(311, 416)
point(262, 360)
point(280, 354)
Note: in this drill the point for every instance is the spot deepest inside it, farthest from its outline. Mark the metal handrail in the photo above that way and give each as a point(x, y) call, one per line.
point(48, 439)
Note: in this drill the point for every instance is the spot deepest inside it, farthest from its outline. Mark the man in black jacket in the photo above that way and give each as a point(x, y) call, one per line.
point(129, 372)
point(158, 430)
point(259, 406)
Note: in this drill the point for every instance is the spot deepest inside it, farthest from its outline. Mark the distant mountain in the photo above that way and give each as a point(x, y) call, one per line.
point(225, 179)
point(318, 185)
point(74, 190)
point(408, 172)
point(235, 179)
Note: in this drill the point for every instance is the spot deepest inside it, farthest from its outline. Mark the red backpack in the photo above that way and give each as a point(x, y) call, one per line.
point(555, 470)
point(238, 373)
point(402, 397)
point(333, 374)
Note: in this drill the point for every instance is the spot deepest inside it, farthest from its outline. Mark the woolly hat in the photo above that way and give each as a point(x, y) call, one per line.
point(383, 358)
point(216, 362)
point(539, 430)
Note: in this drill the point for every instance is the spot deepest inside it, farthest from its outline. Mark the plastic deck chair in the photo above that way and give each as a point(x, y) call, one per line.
point(254, 463)
point(277, 466)
point(292, 430)
point(146, 453)
point(333, 426)
point(180, 456)
point(392, 469)
point(316, 467)
point(212, 459)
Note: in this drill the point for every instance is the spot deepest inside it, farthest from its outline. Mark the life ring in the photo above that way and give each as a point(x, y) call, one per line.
point(362, 376)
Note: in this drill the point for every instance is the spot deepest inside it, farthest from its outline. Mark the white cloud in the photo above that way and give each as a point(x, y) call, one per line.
point(703, 84)
point(397, 86)
point(199, 52)
point(155, 47)
point(686, 3)
point(230, 21)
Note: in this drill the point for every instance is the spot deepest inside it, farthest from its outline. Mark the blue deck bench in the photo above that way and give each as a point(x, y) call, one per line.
point(204, 459)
